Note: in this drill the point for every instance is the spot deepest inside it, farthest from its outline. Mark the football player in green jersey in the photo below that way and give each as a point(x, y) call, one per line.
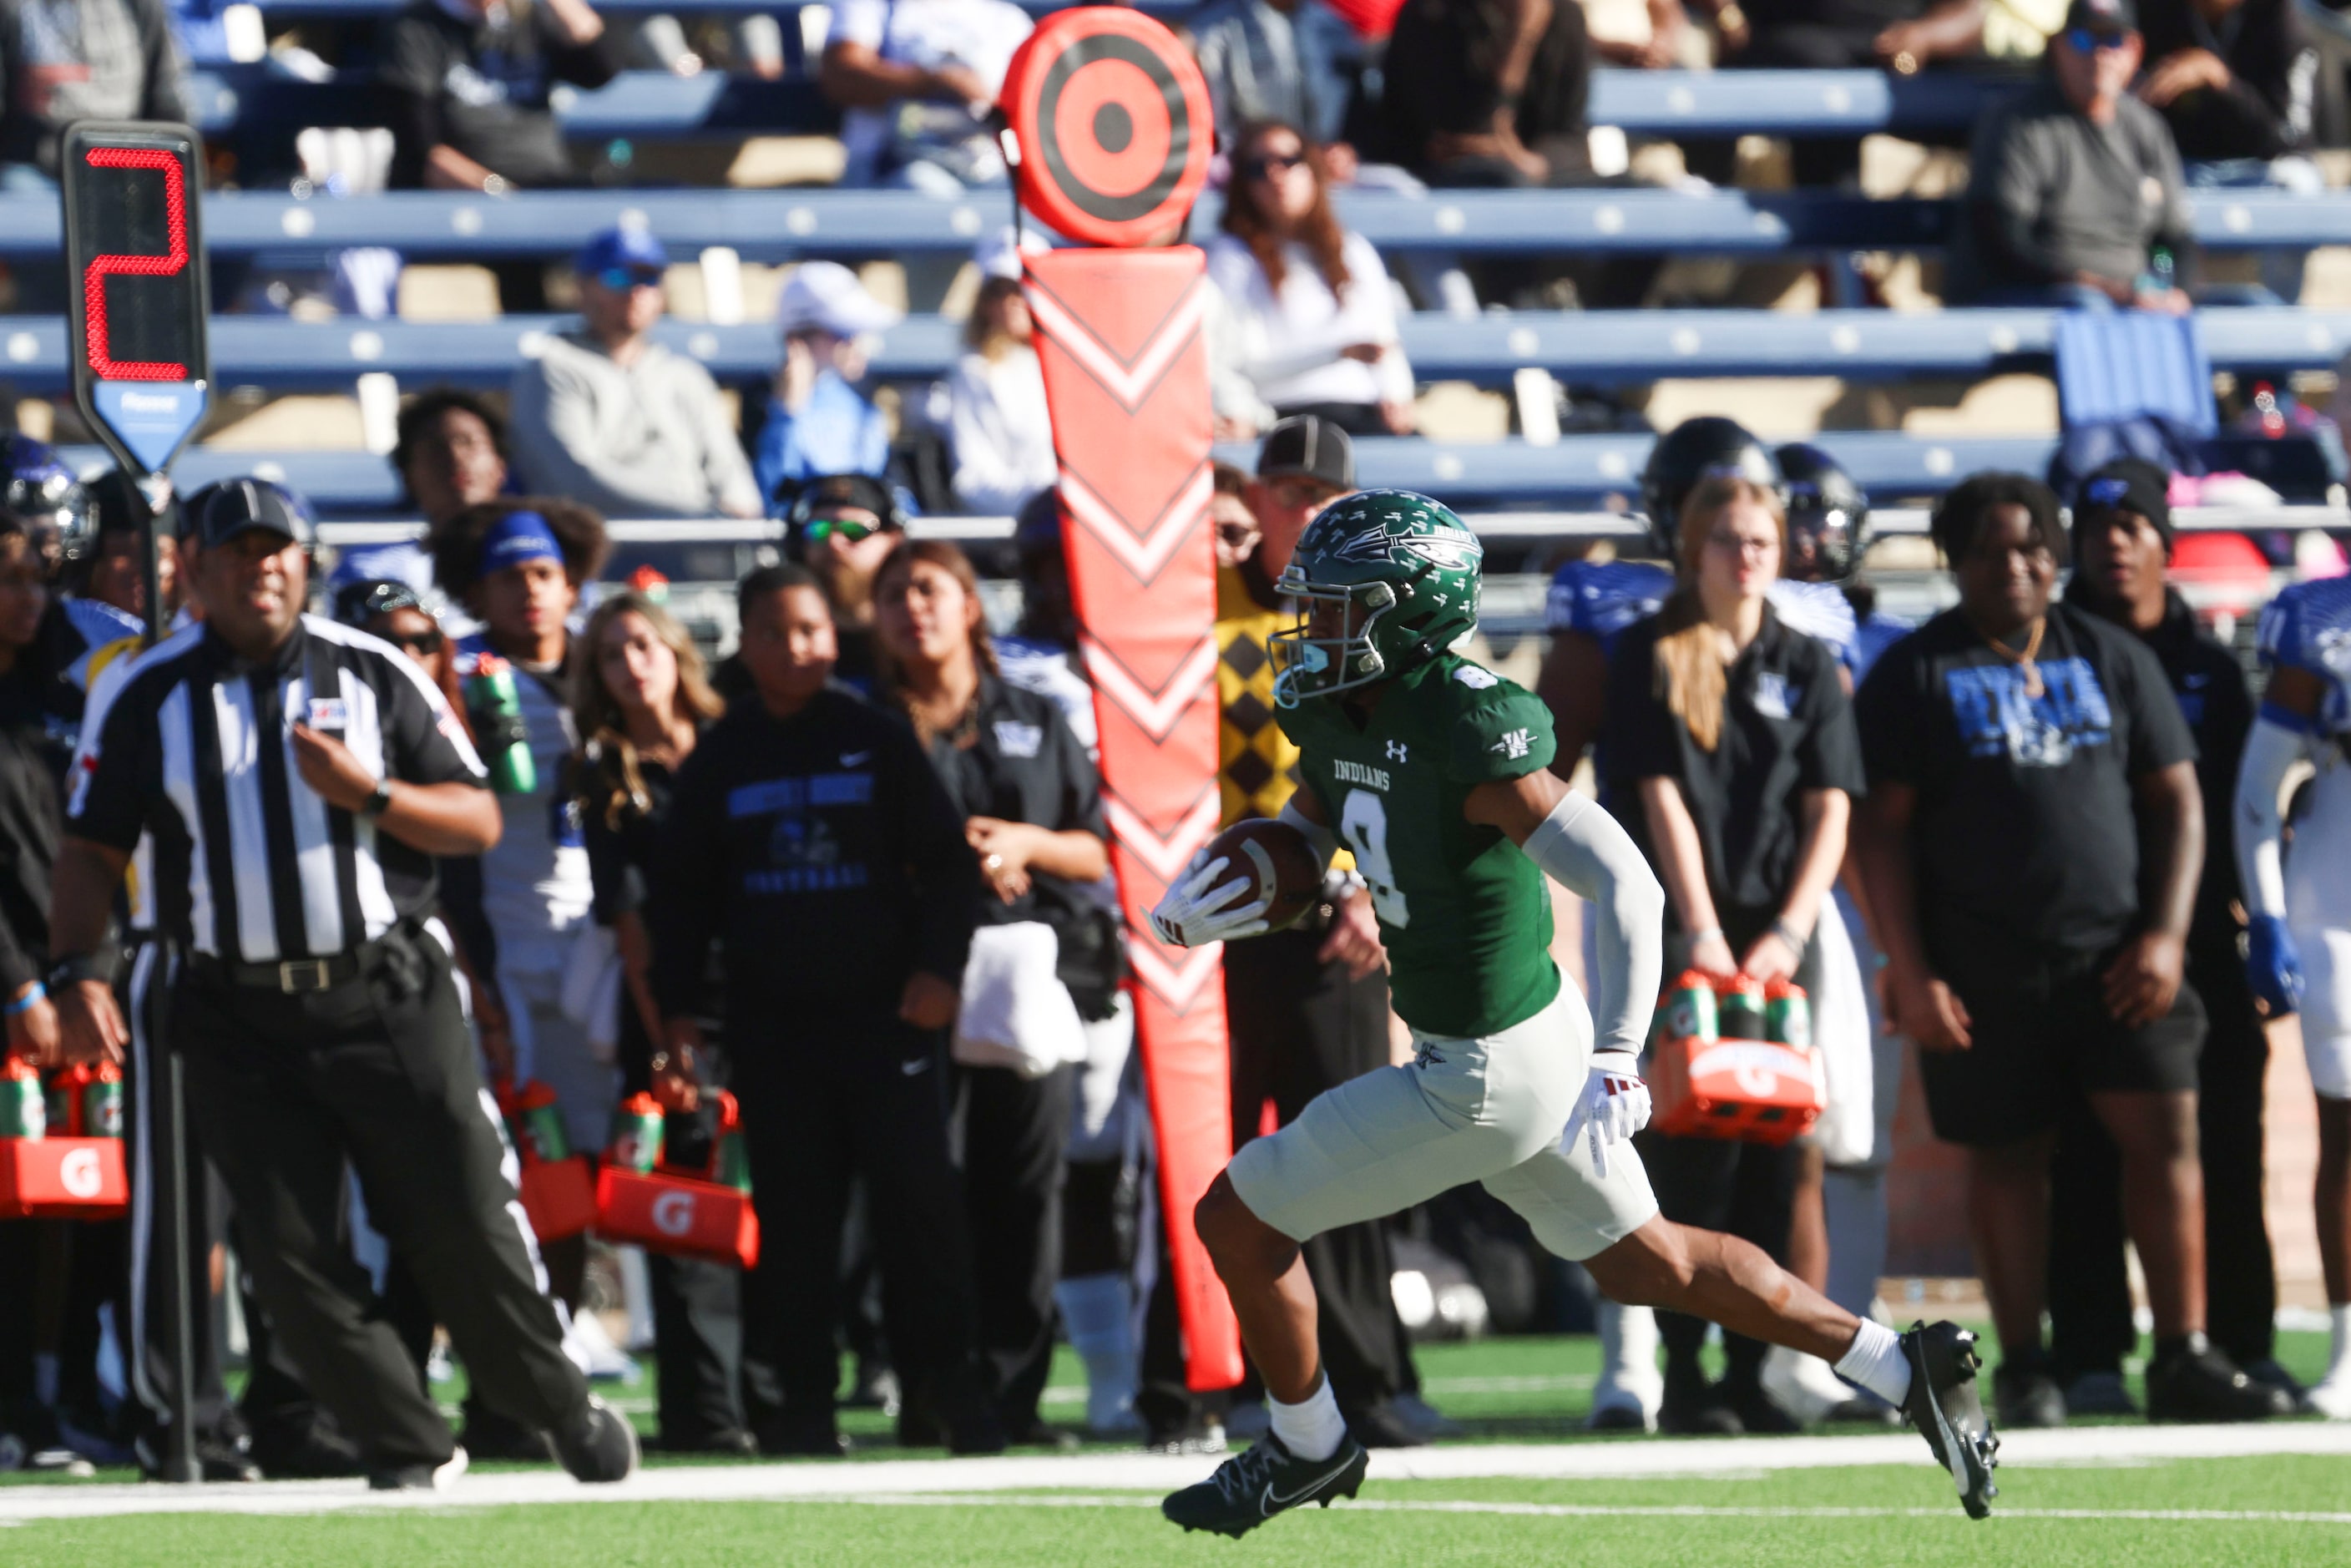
point(1433, 771)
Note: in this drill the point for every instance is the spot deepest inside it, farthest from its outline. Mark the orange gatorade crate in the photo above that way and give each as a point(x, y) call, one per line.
point(1710, 1077)
point(63, 1179)
point(693, 1213)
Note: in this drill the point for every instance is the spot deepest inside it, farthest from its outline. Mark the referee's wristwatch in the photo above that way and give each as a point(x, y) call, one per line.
point(379, 801)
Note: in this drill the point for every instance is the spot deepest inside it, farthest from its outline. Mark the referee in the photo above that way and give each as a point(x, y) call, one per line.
point(297, 778)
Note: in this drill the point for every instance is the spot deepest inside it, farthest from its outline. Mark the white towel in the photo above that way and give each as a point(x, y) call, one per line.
point(1841, 1029)
point(1015, 1012)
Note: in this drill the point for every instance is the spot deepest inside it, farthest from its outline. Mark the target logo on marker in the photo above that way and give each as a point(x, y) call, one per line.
point(1113, 124)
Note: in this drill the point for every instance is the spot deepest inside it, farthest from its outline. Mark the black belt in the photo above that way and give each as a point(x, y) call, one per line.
point(290, 977)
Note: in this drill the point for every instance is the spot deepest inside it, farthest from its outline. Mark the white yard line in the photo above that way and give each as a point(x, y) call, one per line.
point(1151, 1474)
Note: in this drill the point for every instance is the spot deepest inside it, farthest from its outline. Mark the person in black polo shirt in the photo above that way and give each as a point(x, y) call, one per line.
point(297, 778)
point(1045, 959)
point(2031, 846)
point(809, 837)
point(1733, 762)
point(2122, 542)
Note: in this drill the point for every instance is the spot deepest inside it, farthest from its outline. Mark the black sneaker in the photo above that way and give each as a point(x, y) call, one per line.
point(2200, 1383)
point(1250, 1487)
point(419, 1478)
point(602, 1448)
point(310, 1452)
point(2027, 1396)
point(1944, 1407)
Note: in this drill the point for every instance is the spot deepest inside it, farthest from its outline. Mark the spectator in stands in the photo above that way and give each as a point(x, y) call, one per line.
point(467, 85)
point(63, 60)
point(1003, 434)
point(1734, 765)
point(450, 452)
point(1291, 60)
point(517, 567)
point(1487, 92)
point(916, 82)
point(2075, 195)
point(2032, 845)
point(2122, 541)
point(641, 707)
point(817, 422)
point(1313, 315)
point(1045, 955)
point(608, 418)
point(2237, 82)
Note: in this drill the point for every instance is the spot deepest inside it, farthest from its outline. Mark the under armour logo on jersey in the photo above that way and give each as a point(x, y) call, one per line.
point(1395, 751)
point(1476, 679)
point(1514, 744)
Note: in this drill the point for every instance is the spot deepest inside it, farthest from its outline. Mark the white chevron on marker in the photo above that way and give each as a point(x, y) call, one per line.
point(1165, 856)
point(1157, 712)
point(1129, 384)
point(1173, 983)
point(1144, 556)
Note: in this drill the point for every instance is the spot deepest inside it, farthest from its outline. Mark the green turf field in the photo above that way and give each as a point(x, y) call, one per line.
point(2211, 1511)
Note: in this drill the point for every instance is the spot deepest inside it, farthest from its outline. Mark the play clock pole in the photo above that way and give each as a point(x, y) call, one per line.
point(136, 313)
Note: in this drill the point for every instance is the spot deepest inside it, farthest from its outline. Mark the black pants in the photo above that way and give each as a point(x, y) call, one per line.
point(1299, 1027)
point(826, 1099)
point(379, 1073)
point(1014, 1130)
point(2089, 1291)
point(1747, 1190)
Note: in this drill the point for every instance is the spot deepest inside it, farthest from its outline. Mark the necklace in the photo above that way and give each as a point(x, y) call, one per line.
point(2033, 686)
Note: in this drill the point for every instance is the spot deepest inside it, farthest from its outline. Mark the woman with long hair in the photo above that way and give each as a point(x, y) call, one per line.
point(640, 701)
point(1308, 304)
point(1735, 763)
point(1045, 949)
point(996, 396)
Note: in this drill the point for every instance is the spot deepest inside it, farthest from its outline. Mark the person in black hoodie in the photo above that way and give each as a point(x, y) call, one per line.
point(2122, 541)
point(811, 838)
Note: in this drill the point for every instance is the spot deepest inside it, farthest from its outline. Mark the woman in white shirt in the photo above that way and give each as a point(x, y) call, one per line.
point(996, 398)
point(1311, 316)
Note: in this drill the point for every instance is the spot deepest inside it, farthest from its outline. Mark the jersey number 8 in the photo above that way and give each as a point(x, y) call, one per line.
point(1363, 820)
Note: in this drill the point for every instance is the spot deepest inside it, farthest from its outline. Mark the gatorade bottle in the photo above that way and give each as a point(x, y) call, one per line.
point(538, 1126)
point(101, 1102)
point(1687, 1011)
point(1787, 1014)
point(22, 1115)
point(62, 1109)
point(636, 1143)
point(730, 1161)
point(1741, 1012)
point(498, 727)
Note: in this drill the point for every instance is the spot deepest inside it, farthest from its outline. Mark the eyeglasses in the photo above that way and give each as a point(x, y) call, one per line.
point(424, 643)
point(620, 279)
point(1264, 165)
point(2083, 41)
point(819, 529)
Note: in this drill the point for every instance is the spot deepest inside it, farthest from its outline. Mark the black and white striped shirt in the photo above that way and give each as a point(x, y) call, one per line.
point(194, 747)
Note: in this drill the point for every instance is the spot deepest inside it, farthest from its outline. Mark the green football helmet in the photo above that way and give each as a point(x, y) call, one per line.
point(1385, 580)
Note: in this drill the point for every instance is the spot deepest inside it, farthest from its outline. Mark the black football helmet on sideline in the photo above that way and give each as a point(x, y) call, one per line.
point(1709, 447)
point(1828, 516)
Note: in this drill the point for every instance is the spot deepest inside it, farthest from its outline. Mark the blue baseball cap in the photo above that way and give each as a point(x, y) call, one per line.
point(629, 246)
point(519, 538)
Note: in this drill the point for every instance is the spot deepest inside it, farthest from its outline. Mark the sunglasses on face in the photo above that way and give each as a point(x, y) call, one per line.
point(2083, 41)
point(819, 529)
point(620, 279)
point(1264, 165)
point(424, 643)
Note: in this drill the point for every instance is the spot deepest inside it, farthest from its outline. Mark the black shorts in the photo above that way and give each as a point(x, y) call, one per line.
point(2039, 1021)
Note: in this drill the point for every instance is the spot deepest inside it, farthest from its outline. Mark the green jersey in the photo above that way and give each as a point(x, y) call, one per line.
point(1465, 914)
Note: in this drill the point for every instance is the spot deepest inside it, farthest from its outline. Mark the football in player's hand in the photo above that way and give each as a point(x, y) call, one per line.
point(1272, 855)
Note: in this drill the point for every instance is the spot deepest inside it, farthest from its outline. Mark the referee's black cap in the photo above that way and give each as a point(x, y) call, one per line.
point(227, 508)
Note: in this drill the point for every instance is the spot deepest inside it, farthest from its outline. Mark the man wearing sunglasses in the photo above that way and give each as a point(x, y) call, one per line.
point(2075, 196)
point(610, 418)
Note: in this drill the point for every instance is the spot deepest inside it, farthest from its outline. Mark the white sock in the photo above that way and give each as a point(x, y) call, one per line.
point(2338, 1361)
point(1875, 1360)
point(1312, 1428)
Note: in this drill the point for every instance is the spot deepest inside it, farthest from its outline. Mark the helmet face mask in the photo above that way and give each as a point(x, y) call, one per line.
point(1828, 516)
point(52, 506)
point(1385, 580)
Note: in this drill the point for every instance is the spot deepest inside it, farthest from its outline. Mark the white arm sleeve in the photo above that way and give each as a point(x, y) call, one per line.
point(2270, 751)
point(1583, 848)
point(1325, 843)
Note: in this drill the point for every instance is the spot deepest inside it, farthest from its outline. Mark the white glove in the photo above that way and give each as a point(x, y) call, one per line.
point(1193, 912)
point(1613, 1106)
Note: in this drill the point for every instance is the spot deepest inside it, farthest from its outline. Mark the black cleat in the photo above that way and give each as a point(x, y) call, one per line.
point(602, 1445)
point(2197, 1382)
point(1944, 1407)
point(1250, 1487)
